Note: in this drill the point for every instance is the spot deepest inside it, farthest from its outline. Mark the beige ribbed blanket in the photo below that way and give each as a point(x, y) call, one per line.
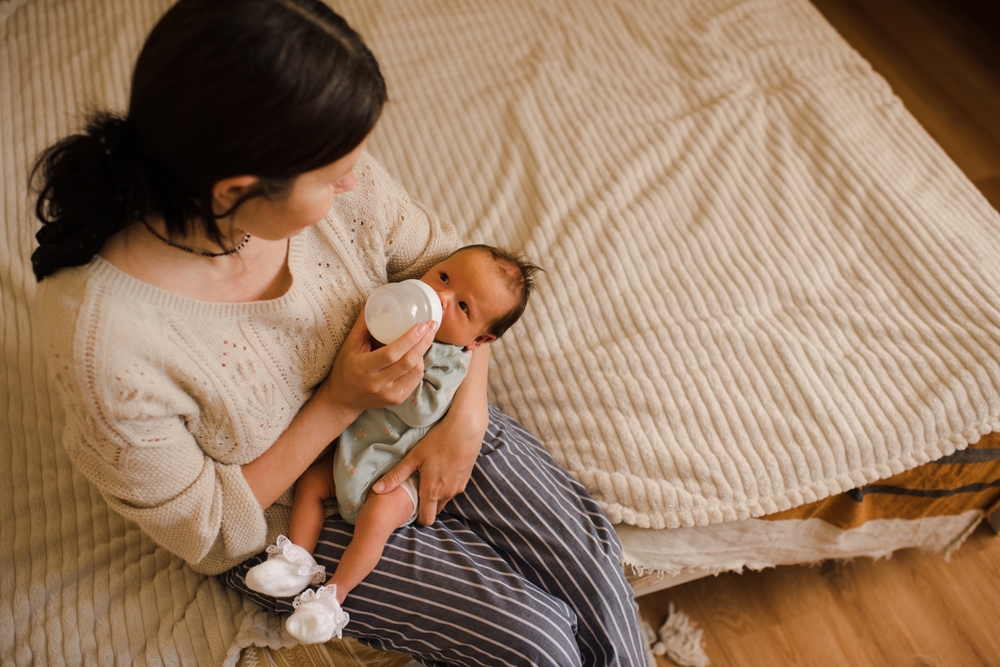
point(765, 283)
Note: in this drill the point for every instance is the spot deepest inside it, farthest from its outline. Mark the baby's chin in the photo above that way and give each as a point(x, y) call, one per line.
point(448, 342)
point(442, 336)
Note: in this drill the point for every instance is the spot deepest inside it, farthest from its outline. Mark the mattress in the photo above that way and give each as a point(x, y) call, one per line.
point(765, 286)
point(932, 507)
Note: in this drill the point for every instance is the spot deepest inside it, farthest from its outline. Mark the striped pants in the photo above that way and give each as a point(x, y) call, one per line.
point(520, 569)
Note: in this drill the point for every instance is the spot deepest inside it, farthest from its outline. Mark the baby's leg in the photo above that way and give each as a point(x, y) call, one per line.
point(290, 566)
point(313, 487)
point(318, 615)
point(379, 516)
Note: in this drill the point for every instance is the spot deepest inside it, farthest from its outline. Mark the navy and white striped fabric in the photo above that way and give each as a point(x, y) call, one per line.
point(522, 569)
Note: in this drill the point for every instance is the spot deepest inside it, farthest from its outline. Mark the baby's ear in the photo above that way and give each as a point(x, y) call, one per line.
point(480, 339)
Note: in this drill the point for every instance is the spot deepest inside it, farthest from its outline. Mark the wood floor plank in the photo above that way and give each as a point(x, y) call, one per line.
point(990, 187)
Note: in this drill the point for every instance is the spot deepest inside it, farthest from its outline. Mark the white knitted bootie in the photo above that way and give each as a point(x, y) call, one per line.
point(318, 617)
point(288, 570)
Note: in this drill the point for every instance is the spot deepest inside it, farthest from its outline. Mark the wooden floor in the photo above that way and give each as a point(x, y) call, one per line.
point(942, 57)
point(913, 610)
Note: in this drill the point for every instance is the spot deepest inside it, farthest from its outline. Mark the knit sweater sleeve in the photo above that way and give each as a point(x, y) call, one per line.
point(127, 428)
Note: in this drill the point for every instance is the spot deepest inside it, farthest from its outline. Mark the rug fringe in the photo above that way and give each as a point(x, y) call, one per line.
point(679, 639)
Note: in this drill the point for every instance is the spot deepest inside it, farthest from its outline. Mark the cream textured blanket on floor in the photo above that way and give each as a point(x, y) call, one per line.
point(765, 283)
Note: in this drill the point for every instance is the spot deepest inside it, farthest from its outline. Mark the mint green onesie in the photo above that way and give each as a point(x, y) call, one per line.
point(379, 438)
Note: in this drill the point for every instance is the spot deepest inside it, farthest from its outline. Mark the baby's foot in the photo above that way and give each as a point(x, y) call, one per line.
point(318, 617)
point(288, 570)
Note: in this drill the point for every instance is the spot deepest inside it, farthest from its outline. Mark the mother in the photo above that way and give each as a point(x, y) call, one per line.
point(205, 260)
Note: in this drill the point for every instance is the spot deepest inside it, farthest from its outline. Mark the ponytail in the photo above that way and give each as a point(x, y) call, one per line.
point(87, 192)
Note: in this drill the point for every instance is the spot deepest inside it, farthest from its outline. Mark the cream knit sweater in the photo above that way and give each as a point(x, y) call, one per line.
point(166, 397)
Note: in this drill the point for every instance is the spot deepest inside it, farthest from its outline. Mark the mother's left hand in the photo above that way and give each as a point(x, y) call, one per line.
point(447, 453)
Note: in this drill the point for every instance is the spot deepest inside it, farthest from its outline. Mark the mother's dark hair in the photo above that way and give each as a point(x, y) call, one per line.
point(221, 88)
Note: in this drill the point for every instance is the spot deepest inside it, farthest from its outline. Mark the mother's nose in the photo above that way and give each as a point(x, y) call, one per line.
point(346, 183)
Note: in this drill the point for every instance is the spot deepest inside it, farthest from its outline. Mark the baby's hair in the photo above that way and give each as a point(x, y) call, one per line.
point(520, 275)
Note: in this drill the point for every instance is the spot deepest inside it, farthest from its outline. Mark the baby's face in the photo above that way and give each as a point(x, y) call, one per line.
point(473, 292)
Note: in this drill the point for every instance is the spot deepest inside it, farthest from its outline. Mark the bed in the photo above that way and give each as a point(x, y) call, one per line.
point(767, 333)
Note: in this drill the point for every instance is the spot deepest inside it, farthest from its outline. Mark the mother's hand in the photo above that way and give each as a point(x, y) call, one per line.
point(447, 453)
point(362, 378)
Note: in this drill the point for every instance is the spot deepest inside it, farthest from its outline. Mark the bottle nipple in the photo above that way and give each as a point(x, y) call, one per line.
point(394, 308)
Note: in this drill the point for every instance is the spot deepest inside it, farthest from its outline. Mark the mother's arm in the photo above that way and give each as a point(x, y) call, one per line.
point(446, 455)
point(360, 379)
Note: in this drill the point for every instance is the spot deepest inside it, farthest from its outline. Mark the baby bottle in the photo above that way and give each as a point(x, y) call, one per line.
point(394, 308)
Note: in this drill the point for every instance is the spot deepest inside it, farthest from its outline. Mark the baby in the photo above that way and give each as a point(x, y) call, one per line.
point(483, 291)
